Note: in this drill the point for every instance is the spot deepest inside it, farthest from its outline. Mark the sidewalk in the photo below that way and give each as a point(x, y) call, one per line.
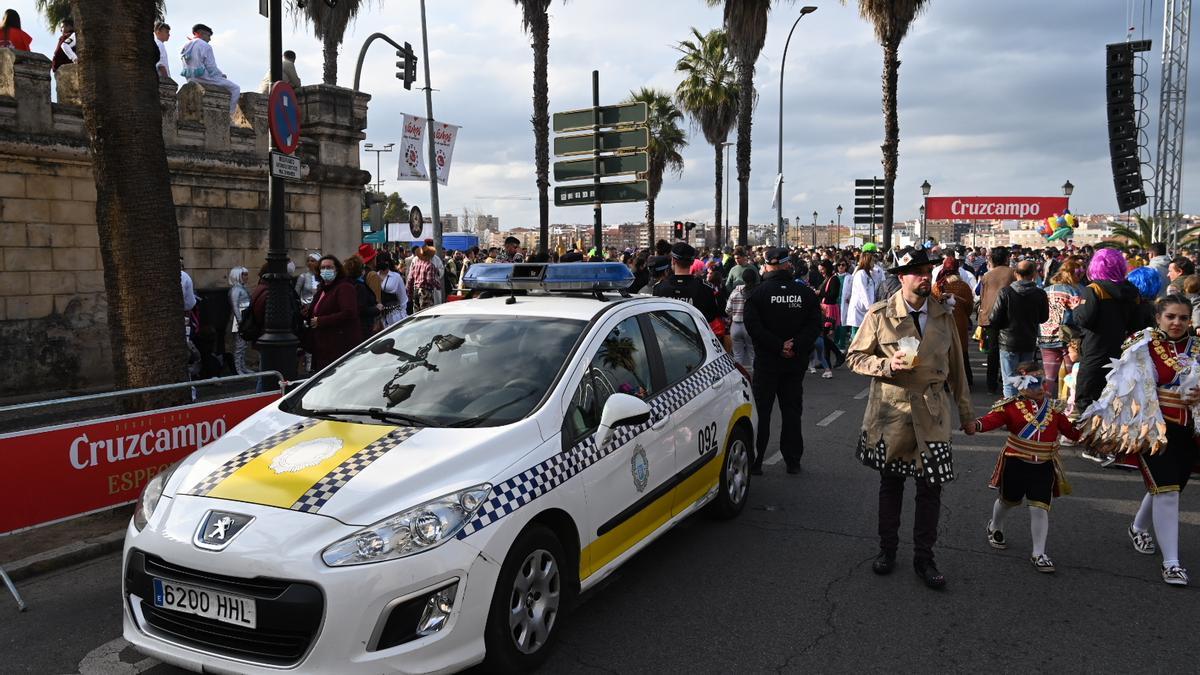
point(53, 547)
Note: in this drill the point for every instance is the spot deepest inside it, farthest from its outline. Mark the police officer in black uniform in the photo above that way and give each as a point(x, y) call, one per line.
point(783, 318)
point(681, 285)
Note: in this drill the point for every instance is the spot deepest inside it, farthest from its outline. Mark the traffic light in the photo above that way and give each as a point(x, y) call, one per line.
point(678, 229)
point(689, 226)
point(406, 67)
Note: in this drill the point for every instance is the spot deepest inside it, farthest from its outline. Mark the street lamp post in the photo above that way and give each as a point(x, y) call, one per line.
point(378, 171)
point(277, 346)
point(839, 228)
point(724, 238)
point(925, 188)
point(1067, 188)
point(807, 9)
point(814, 230)
point(433, 178)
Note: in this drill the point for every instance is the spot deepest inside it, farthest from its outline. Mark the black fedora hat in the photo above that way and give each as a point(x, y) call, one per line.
point(911, 260)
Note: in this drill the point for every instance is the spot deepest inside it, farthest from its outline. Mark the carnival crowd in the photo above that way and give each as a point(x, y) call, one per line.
point(1063, 333)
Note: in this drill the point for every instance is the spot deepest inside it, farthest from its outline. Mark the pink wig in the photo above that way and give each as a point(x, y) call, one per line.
point(1107, 265)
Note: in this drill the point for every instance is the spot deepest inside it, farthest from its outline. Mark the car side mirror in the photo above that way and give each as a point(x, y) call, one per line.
point(620, 410)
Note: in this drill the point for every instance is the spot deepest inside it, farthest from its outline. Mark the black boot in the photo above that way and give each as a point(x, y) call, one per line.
point(884, 563)
point(929, 573)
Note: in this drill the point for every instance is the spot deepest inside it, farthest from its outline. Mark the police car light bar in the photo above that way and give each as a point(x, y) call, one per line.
point(612, 276)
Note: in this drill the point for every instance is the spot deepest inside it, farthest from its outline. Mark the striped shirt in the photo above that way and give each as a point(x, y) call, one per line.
point(736, 306)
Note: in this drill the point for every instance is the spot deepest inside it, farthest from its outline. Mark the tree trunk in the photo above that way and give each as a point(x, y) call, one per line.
point(135, 215)
point(891, 135)
point(720, 164)
point(540, 30)
point(650, 223)
point(329, 46)
point(745, 115)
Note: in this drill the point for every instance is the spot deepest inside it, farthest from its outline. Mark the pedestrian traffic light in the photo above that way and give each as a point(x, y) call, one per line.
point(689, 226)
point(678, 229)
point(406, 67)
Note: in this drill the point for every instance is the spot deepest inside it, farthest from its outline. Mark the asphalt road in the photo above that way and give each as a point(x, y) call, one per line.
point(787, 586)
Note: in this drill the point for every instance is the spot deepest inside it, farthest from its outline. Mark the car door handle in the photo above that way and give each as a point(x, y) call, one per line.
point(661, 422)
point(718, 382)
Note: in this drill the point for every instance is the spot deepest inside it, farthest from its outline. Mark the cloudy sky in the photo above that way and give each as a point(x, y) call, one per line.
point(996, 98)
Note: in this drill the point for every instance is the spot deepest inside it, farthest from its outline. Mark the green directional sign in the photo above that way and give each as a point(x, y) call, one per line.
point(610, 165)
point(610, 116)
point(610, 141)
point(610, 193)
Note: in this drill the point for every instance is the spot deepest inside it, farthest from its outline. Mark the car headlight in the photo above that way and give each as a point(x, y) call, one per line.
point(410, 531)
point(148, 501)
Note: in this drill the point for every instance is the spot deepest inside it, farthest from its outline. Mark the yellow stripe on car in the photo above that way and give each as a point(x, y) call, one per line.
point(281, 475)
point(625, 536)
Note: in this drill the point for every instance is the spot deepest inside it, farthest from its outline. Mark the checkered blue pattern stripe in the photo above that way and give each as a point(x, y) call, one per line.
point(534, 482)
point(317, 495)
point(246, 456)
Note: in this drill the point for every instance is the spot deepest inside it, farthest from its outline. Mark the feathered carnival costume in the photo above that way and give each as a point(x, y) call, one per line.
point(1128, 418)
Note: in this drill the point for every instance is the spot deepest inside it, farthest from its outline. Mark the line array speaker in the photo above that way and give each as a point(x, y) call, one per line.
point(1123, 125)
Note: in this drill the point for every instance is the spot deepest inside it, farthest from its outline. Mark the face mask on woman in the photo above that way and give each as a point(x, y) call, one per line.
point(328, 275)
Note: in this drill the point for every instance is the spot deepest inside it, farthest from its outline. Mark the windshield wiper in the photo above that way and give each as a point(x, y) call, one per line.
point(377, 414)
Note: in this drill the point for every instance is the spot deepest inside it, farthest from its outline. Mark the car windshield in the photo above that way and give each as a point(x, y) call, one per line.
point(444, 371)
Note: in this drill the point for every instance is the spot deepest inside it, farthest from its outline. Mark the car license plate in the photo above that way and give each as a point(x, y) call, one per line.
point(234, 609)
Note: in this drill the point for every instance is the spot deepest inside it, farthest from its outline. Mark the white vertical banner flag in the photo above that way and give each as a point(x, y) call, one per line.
point(412, 152)
point(444, 136)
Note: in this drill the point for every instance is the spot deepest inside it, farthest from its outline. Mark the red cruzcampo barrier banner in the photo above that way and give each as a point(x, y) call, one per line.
point(56, 473)
point(994, 208)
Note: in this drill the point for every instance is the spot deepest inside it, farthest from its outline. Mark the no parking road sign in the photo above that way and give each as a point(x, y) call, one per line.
point(283, 116)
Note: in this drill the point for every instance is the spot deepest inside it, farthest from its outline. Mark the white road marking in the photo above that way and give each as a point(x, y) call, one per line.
point(830, 418)
point(106, 660)
point(862, 394)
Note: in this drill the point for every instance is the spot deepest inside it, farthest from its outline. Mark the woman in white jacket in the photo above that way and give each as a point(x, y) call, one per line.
point(862, 292)
point(239, 300)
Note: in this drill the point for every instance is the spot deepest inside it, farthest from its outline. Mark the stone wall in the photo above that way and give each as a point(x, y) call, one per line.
point(53, 333)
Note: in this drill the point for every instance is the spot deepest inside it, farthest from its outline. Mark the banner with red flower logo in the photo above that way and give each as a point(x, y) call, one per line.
point(412, 149)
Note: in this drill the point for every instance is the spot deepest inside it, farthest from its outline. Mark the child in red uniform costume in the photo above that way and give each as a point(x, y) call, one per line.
point(1029, 467)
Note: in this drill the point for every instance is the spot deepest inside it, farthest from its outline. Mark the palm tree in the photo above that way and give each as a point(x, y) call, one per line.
point(135, 214)
point(891, 20)
point(1142, 234)
point(329, 21)
point(666, 141)
point(535, 20)
point(709, 95)
point(746, 31)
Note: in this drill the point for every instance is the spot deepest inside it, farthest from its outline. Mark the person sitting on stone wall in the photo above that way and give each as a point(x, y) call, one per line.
point(200, 65)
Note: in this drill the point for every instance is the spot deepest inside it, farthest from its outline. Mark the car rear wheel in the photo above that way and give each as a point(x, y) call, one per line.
point(734, 486)
point(532, 595)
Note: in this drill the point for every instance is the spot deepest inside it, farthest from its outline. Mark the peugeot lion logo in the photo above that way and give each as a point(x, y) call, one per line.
point(218, 528)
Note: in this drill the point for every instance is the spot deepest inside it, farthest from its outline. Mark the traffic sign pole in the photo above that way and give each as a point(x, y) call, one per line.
point(598, 226)
point(278, 344)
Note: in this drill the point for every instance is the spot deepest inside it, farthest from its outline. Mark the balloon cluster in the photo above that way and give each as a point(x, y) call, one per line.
point(1058, 226)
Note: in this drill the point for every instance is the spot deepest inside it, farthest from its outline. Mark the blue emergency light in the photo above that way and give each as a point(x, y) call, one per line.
point(613, 276)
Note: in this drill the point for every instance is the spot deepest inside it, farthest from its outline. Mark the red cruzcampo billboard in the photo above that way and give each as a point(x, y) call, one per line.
point(56, 473)
point(994, 208)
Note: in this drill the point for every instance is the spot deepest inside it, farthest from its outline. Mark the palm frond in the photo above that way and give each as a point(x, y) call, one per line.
point(531, 11)
point(891, 19)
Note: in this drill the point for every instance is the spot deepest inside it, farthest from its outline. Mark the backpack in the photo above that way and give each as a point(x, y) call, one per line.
point(248, 328)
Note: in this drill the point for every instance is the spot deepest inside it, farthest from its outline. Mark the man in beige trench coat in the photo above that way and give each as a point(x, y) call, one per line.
point(907, 426)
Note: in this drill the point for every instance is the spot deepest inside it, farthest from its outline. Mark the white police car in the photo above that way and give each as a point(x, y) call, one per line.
point(443, 493)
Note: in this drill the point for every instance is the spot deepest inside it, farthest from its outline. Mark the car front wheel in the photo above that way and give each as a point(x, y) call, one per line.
point(530, 601)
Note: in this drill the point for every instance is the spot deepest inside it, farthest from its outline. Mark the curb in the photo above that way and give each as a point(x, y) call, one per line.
point(65, 556)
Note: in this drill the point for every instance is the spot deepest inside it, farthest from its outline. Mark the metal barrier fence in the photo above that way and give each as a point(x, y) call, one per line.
point(33, 405)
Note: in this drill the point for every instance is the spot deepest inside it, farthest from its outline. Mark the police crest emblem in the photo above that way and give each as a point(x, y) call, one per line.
point(639, 466)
